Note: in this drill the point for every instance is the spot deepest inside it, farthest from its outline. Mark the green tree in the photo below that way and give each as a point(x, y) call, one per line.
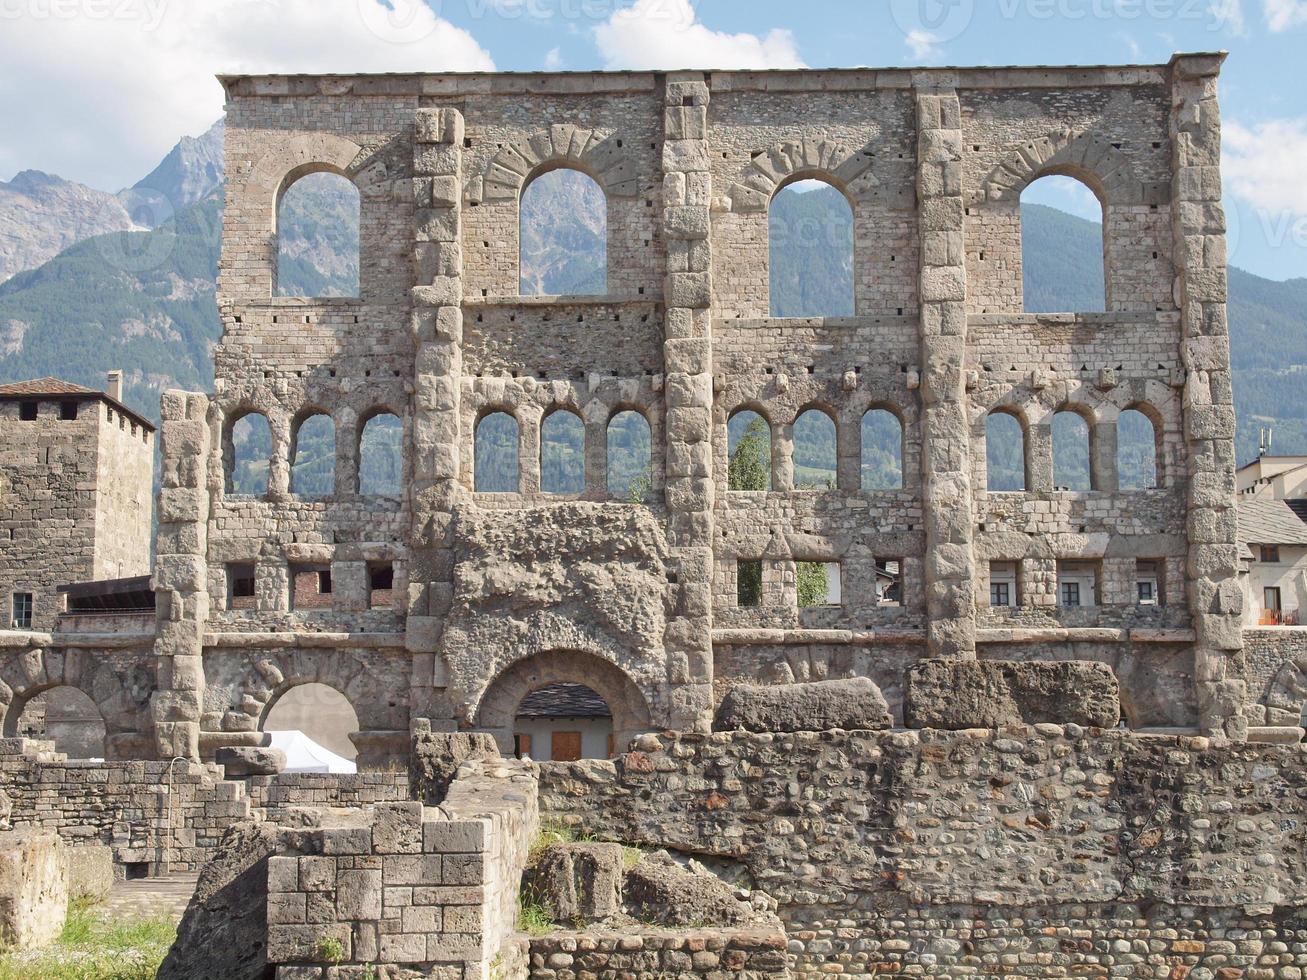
point(749, 467)
point(812, 583)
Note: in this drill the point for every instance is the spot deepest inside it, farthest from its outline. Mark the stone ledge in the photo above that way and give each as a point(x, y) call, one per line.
point(27, 639)
point(548, 302)
point(371, 641)
point(1084, 634)
point(790, 637)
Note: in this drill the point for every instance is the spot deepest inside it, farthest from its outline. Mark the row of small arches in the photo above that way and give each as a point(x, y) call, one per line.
point(810, 239)
point(1008, 465)
point(815, 452)
point(628, 453)
point(379, 455)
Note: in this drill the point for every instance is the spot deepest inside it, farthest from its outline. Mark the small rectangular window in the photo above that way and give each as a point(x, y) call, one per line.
point(1148, 591)
point(240, 586)
point(68, 411)
point(22, 611)
point(27, 411)
point(381, 585)
point(818, 583)
point(1271, 554)
point(1003, 583)
point(1271, 598)
point(1070, 593)
point(889, 581)
point(1077, 584)
point(748, 583)
point(310, 587)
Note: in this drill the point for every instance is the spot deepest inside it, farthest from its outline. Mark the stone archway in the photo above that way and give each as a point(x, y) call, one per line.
point(498, 706)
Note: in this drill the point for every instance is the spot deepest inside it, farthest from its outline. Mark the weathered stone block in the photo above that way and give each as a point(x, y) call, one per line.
point(578, 883)
point(854, 703)
point(957, 694)
point(239, 761)
point(33, 889)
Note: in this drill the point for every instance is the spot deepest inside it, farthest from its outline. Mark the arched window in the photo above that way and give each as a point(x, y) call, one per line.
point(1071, 468)
point(882, 450)
point(1005, 453)
point(563, 236)
point(320, 714)
point(248, 449)
point(1136, 452)
point(313, 473)
point(318, 237)
point(1062, 247)
point(381, 456)
point(67, 716)
point(748, 445)
point(562, 453)
point(495, 468)
point(814, 451)
point(630, 456)
point(810, 240)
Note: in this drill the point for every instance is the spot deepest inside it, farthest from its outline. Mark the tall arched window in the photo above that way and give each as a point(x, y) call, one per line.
point(495, 469)
point(381, 456)
point(563, 236)
point(630, 456)
point(1062, 246)
point(810, 240)
point(318, 237)
point(1005, 453)
point(322, 714)
point(313, 472)
point(748, 445)
point(1136, 452)
point(882, 450)
point(562, 453)
point(1071, 466)
point(248, 449)
point(815, 453)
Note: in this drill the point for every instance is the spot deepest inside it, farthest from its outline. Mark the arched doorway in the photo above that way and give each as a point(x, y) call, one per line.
point(499, 707)
point(563, 722)
point(66, 716)
point(309, 718)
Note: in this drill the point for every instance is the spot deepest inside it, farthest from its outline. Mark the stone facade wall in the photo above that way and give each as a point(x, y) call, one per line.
point(274, 794)
point(166, 816)
point(670, 955)
point(75, 503)
point(1048, 851)
point(420, 888)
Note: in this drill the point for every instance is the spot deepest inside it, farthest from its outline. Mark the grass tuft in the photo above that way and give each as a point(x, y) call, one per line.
point(94, 947)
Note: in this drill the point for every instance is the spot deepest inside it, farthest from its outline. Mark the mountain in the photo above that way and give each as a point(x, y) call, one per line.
point(190, 172)
point(41, 215)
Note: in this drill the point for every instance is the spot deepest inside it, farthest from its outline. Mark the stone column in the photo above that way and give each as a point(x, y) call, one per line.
point(1198, 227)
point(181, 574)
point(946, 456)
point(687, 353)
point(438, 374)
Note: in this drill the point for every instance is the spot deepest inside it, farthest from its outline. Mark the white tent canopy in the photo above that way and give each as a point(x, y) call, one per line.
point(305, 755)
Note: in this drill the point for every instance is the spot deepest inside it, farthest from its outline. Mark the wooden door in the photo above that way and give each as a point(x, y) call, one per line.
point(565, 747)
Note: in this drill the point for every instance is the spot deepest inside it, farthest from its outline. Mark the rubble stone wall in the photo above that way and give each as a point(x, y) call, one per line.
point(1055, 846)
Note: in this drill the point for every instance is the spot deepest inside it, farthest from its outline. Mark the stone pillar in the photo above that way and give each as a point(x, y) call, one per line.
point(1198, 227)
point(181, 575)
point(687, 353)
point(946, 456)
point(438, 374)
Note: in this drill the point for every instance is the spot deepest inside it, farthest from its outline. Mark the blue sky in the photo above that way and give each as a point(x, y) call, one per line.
point(98, 90)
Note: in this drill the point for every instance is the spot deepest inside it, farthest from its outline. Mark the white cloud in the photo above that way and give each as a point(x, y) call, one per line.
point(1284, 14)
point(1263, 165)
point(553, 59)
point(100, 92)
point(923, 44)
point(1229, 15)
point(665, 34)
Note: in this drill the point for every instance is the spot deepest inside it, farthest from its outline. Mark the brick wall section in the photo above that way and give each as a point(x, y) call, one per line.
point(432, 889)
point(870, 839)
point(685, 954)
point(274, 794)
point(169, 816)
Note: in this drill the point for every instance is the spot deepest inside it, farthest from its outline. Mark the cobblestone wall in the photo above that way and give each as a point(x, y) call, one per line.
point(1047, 850)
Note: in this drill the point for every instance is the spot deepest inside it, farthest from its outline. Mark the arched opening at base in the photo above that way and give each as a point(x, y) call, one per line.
point(563, 722)
point(554, 685)
point(312, 723)
point(66, 716)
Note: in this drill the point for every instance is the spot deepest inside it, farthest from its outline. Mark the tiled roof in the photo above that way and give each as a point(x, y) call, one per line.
point(46, 386)
point(1265, 521)
point(563, 700)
